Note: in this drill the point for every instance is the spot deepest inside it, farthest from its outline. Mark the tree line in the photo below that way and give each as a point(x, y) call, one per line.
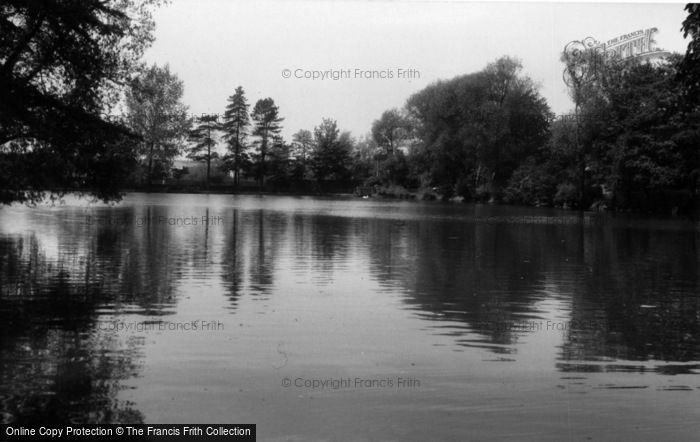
point(69, 67)
point(254, 147)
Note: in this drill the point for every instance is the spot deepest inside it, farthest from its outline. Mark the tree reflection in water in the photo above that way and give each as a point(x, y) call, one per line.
point(629, 293)
point(633, 287)
point(59, 364)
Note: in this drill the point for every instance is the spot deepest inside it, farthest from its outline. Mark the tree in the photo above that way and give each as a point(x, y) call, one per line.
point(279, 161)
point(644, 140)
point(549, 175)
point(235, 126)
point(513, 120)
point(391, 130)
point(203, 137)
point(476, 129)
point(689, 74)
point(156, 113)
point(443, 156)
point(364, 159)
point(586, 68)
point(690, 66)
point(63, 65)
point(634, 135)
point(331, 156)
point(266, 121)
point(302, 145)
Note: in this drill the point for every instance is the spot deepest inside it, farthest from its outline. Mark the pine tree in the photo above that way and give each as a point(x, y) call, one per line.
point(267, 121)
point(203, 137)
point(235, 127)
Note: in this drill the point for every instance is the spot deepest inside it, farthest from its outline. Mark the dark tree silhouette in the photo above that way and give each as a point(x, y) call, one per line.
point(235, 127)
point(267, 124)
point(203, 137)
point(62, 67)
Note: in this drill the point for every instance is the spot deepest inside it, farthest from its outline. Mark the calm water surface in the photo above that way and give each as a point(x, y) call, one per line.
point(347, 319)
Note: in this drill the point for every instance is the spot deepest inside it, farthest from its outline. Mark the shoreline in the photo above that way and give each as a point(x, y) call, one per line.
point(417, 195)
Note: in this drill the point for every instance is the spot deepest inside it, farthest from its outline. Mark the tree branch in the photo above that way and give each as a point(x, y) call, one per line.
point(22, 45)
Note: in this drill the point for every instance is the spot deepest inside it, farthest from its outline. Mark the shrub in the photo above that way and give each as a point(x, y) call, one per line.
point(530, 184)
point(567, 195)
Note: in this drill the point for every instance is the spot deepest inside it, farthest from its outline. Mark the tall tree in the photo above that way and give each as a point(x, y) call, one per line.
point(392, 133)
point(302, 145)
point(634, 131)
point(586, 67)
point(235, 127)
point(203, 137)
point(644, 145)
point(63, 65)
point(331, 157)
point(266, 122)
point(690, 67)
point(476, 129)
point(279, 161)
point(364, 158)
point(391, 130)
point(514, 119)
point(156, 113)
point(690, 80)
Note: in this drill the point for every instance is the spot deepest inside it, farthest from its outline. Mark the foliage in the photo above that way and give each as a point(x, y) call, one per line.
point(635, 139)
point(364, 160)
point(203, 137)
point(391, 131)
point(531, 184)
point(63, 65)
point(235, 127)
point(632, 137)
point(477, 128)
point(689, 77)
point(266, 122)
point(302, 146)
point(155, 112)
point(331, 155)
point(279, 169)
point(690, 66)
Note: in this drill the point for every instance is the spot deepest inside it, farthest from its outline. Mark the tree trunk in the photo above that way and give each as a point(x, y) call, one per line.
point(237, 156)
point(237, 164)
point(208, 164)
point(261, 171)
point(582, 182)
point(209, 140)
point(150, 164)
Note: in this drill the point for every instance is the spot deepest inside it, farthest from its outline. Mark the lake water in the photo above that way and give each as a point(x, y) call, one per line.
point(351, 319)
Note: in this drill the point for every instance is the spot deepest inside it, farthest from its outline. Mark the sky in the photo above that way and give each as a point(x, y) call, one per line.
point(379, 52)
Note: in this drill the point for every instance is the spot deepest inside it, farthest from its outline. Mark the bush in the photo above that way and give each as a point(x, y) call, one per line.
point(483, 193)
point(463, 189)
point(394, 191)
point(372, 181)
point(530, 184)
point(426, 194)
point(567, 195)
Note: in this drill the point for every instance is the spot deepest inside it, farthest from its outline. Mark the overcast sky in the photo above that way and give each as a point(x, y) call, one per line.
point(216, 45)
